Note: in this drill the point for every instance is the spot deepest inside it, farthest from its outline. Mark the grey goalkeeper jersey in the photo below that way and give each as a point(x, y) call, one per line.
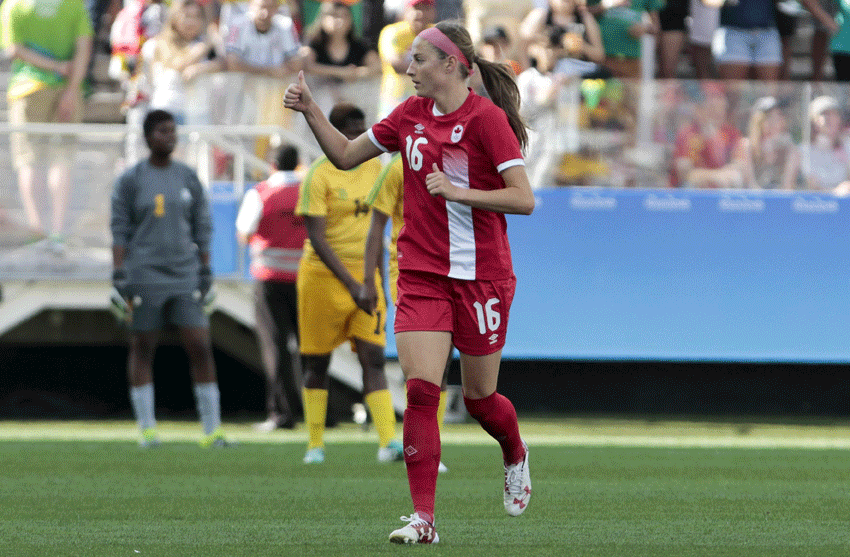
point(161, 215)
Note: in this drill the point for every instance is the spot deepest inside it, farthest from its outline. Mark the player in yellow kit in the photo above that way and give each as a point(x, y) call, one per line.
point(333, 203)
point(386, 198)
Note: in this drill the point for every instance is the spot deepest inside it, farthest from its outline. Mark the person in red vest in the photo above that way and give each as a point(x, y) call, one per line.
point(268, 224)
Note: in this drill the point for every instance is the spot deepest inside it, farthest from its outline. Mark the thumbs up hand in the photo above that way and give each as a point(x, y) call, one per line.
point(298, 96)
point(439, 184)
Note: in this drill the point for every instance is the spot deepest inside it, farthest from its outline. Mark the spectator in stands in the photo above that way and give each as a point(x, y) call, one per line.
point(839, 29)
point(704, 20)
point(394, 49)
point(481, 15)
point(768, 156)
point(336, 57)
point(49, 44)
point(747, 40)
point(263, 42)
point(496, 47)
point(333, 203)
point(134, 24)
point(267, 222)
point(747, 44)
point(161, 230)
point(262, 45)
point(569, 26)
point(673, 32)
point(786, 24)
point(100, 13)
point(704, 148)
point(538, 88)
point(174, 58)
point(821, 38)
point(622, 24)
point(691, 24)
point(827, 165)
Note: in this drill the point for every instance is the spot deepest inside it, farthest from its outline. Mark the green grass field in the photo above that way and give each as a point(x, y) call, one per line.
point(605, 488)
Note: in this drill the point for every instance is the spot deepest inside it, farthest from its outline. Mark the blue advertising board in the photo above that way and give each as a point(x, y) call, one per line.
point(681, 275)
point(673, 275)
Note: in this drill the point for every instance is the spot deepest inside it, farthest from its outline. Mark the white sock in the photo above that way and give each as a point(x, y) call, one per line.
point(142, 400)
point(207, 398)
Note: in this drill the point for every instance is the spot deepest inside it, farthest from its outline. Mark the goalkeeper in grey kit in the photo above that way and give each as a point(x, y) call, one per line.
point(161, 230)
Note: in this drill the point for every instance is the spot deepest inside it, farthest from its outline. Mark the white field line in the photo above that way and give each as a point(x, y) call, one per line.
point(615, 434)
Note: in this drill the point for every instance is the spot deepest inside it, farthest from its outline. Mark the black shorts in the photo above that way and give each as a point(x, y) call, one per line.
point(785, 24)
point(673, 15)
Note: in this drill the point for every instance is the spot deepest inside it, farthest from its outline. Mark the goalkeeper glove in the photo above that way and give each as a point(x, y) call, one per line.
point(207, 301)
point(118, 305)
point(118, 296)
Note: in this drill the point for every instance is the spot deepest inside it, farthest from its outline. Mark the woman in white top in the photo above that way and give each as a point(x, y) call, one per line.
point(176, 56)
point(828, 165)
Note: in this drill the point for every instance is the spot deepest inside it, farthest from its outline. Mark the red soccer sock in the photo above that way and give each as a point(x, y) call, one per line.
point(422, 445)
point(497, 416)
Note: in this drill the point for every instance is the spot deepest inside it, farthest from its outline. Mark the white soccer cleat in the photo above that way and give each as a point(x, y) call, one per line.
point(442, 468)
point(418, 530)
point(391, 453)
point(517, 485)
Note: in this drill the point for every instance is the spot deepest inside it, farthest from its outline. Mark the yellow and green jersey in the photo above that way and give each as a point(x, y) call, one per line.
point(340, 197)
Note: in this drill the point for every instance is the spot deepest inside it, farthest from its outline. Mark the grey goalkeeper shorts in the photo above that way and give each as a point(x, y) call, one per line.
point(154, 309)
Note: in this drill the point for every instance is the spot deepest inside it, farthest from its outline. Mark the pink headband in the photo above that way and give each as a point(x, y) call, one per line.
point(441, 41)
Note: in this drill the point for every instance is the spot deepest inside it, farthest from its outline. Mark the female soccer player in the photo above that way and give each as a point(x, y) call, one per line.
point(463, 169)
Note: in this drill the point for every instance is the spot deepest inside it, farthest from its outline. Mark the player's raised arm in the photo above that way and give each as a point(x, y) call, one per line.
point(345, 154)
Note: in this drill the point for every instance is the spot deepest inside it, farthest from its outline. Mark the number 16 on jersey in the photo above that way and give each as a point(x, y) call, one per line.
point(414, 155)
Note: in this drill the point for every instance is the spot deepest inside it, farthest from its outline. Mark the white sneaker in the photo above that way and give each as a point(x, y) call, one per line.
point(443, 468)
point(418, 530)
point(315, 456)
point(517, 486)
point(266, 426)
point(391, 453)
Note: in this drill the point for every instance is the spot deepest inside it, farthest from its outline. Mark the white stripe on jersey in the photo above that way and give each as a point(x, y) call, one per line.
point(507, 164)
point(461, 230)
point(372, 137)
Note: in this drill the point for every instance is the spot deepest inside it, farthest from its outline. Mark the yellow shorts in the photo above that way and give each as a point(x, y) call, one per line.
point(328, 316)
point(40, 107)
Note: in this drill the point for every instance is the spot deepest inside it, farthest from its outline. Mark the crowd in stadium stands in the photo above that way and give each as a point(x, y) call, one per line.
point(162, 49)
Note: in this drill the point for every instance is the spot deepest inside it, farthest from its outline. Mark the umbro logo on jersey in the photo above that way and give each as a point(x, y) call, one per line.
point(419, 128)
point(457, 133)
point(494, 338)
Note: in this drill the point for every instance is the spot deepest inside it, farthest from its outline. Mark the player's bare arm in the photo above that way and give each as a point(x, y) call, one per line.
point(367, 299)
point(345, 154)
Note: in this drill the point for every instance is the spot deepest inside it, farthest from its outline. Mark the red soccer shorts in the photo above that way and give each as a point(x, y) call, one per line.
point(474, 311)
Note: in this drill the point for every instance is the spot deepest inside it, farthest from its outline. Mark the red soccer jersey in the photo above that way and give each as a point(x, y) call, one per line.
point(472, 145)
